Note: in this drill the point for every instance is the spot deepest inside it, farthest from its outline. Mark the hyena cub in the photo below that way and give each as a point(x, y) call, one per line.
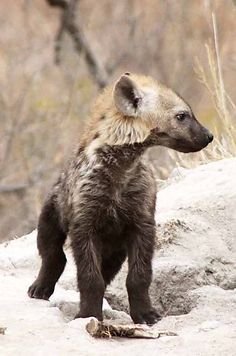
point(105, 198)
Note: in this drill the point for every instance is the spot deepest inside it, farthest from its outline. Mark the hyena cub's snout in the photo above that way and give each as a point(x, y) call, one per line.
point(199, 135)
point(207, 137)
point(186, 134)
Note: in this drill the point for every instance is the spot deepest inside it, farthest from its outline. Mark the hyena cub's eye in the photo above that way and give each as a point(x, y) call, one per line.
point(182, 116)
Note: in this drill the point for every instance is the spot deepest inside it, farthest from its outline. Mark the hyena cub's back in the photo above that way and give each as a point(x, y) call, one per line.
point(105, 198)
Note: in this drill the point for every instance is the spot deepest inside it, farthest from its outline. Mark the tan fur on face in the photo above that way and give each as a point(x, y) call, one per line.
point(112, 127)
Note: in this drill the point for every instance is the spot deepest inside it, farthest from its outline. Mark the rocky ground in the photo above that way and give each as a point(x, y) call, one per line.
point(194, 280)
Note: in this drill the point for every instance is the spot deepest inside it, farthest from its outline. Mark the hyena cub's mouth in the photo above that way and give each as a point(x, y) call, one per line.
point(188, 147)
point(182, 145)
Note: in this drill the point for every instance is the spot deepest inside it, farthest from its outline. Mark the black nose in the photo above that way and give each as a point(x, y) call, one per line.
point(210, 137)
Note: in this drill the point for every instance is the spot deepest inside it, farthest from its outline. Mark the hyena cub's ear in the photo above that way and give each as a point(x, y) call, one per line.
point(133, 100)
point(127, 97)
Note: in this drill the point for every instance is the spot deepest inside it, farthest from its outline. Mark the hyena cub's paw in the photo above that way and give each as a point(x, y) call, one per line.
point(149, 317)
point(98, 316)
point(40, 291)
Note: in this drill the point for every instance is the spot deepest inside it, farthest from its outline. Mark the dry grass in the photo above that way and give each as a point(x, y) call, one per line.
point(223, 123)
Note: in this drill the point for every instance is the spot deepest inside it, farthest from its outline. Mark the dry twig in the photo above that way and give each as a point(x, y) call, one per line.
point(107, 330)
point(2, 330)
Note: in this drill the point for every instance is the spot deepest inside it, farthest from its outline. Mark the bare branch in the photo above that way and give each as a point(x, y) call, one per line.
point(58, 3)
point(69, 25)
point(14, 188)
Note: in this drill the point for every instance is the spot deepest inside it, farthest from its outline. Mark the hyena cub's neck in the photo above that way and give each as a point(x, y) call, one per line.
point(114, 142)
point(117, 160)
point(120, 157)
point(110, 164)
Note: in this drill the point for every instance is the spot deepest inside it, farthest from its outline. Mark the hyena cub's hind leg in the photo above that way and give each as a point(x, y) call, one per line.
point(50, 242)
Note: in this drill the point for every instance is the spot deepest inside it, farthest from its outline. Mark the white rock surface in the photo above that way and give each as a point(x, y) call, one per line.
point(196, 236)
point(194, 271)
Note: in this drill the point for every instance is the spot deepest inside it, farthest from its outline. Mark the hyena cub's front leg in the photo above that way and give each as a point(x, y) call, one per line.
point(89, 277)
point(140, 252)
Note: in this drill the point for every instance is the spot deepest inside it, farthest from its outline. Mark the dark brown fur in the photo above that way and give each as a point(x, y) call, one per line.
point(116, 219)
point(105, 201)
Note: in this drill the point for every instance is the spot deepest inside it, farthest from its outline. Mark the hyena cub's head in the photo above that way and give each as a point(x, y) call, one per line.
point(152, 112)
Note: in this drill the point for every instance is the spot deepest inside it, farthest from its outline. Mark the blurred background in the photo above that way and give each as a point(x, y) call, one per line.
point(56, 55)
